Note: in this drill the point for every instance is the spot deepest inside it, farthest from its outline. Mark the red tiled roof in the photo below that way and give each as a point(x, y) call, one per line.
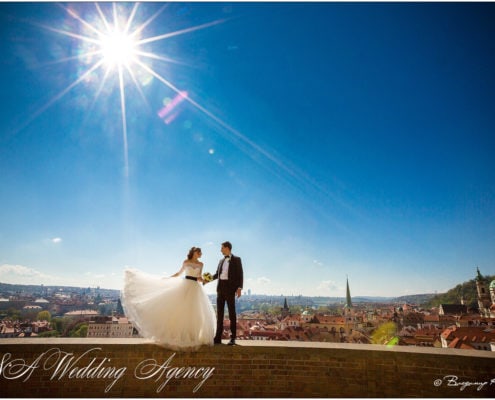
point(467, 335)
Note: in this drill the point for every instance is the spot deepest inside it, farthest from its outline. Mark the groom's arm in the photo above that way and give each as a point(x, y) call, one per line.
point(241, 274)
point(240, 278)
point(215, 276)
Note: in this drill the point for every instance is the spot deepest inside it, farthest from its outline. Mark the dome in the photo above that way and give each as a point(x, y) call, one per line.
point(41, 300)
point(492, 285)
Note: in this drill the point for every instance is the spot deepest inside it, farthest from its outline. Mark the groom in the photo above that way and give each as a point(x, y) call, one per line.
point(230, 278)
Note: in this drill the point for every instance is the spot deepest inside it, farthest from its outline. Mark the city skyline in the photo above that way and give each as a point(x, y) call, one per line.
point(324, 140)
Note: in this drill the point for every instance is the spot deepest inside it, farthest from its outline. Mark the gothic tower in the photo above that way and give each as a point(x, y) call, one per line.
point(484, 301)
point(285, 310)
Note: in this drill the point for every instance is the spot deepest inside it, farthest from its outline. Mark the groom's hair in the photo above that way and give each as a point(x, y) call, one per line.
point(227, 244)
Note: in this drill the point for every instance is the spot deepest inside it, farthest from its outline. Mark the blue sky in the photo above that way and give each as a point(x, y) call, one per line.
point(323, 140)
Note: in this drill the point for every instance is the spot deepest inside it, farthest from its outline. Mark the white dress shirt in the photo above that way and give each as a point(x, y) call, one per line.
point(224, 275)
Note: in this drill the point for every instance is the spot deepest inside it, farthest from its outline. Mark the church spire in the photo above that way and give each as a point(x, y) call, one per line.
point(479, 277)
point(348, 295)
point(285, 310)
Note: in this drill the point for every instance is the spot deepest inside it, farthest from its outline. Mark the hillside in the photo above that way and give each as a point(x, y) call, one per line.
point(415, 298)
point(453, 296)
point(7, 289)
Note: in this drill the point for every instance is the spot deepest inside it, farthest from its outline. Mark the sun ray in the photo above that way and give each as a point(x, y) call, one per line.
point(98, 92)
point(103, 18)
point(138, 86)
point(124, 122)
point(299, 177)
point(58, 96)
point(148, 21)
point(115, 17)
point(71, 58)
point(102, 83)
point(180, 32)
point(229, 128)
point(159, 57)
point(76, 16)
point(131, 18)
point(67, 33)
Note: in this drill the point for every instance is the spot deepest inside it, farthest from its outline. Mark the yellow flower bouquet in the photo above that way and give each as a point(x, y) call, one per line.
point(207, 277)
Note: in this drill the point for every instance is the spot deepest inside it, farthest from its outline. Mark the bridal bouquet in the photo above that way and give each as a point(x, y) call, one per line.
point(207, 277)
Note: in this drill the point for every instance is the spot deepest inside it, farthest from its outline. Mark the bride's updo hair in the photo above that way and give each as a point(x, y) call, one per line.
point(192, 251)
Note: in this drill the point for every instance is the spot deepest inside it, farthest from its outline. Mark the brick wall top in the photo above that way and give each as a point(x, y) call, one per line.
point(74, 367)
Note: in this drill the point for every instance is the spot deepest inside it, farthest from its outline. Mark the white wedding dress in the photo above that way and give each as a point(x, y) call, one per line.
point(174, 312)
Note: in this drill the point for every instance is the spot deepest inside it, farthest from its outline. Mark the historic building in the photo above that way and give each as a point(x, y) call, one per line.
point(110, 327)
point(486, 296)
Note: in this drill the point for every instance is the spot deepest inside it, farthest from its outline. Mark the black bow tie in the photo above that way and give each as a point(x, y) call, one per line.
point(227, 257)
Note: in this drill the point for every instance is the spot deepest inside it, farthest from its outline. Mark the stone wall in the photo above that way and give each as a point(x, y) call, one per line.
point(137, 368)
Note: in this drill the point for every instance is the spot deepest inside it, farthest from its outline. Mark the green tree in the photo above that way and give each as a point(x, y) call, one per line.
point(52, 333)
point(264, 307)
point(13, 314)
point(29, 314)
point(60, 324)
point(384, 333)
point(44, 316)
point(80, 331)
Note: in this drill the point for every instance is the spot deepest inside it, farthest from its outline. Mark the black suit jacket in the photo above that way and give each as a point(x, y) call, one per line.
point(236, 274)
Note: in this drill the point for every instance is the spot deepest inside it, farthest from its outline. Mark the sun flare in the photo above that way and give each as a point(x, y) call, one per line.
point(111, 42)
point(118, 49)
point(113, 50)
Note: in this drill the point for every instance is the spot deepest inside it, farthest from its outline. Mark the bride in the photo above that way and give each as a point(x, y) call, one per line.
point(175, 313)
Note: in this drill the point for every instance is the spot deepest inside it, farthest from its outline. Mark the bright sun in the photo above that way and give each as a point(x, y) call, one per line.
point(110, 43)
point(118, 49)
point(112, 39)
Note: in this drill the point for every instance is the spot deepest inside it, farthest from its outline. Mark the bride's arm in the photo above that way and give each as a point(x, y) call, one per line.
point(200, 279)
point(179, 272)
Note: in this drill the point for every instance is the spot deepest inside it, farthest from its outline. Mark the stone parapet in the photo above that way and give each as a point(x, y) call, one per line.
point(53, 367)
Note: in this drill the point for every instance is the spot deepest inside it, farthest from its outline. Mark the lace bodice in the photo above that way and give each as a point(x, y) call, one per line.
point(191, 269)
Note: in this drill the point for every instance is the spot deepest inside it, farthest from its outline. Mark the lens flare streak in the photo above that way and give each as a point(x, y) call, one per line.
point(181, 96)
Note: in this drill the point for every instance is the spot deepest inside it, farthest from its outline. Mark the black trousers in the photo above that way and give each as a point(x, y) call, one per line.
point(225, 293)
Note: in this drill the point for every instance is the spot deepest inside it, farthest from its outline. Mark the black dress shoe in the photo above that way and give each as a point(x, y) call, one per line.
point(231, 343)
point(217, 342)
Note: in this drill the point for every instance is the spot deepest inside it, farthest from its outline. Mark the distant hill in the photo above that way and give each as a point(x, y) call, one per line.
point(419, 299)
point(427, 300)
point(39, 290)
point(371, 299)
point(467, 290)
